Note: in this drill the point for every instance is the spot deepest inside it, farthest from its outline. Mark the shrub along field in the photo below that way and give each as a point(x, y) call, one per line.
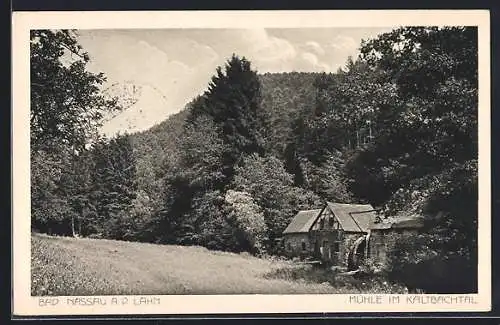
point(70, 266)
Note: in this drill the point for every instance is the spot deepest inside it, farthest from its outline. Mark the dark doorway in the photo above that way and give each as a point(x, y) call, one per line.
point(316, 252)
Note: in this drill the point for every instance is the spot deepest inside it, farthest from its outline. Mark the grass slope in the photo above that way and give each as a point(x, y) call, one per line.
point(69, 266)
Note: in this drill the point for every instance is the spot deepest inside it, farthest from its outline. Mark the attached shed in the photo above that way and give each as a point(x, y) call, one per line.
point(383, 234)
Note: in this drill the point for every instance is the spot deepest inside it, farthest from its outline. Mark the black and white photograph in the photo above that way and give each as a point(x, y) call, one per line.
point(235, 161)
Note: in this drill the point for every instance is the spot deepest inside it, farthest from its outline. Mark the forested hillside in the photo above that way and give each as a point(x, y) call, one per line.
point(285, 97)
point(396, 128)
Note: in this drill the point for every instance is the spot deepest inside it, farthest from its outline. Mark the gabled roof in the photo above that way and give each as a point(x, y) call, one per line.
point(302, 222)
point(353, 217)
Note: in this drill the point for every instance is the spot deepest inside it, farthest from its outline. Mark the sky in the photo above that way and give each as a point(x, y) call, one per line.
point(164, 69)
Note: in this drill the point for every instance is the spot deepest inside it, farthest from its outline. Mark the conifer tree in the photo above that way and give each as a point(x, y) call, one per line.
point(233, 102)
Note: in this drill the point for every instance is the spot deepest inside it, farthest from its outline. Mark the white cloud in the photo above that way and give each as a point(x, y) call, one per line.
point(312, 63)
point(341, 42)
point(189, 51)
point(315, 47)
point(266, 52)
point(275, 49)
point(274, 54)
point(154, 66)
point(311, 58)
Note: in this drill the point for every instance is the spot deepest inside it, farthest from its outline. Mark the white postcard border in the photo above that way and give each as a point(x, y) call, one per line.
point(24, 304)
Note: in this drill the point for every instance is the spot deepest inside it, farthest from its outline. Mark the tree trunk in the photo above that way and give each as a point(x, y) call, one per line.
point(73, 225)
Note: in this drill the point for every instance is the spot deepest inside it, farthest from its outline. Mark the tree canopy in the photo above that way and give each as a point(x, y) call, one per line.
point(66, 100)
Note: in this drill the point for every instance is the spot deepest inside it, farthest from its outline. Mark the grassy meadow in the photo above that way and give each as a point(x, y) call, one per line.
point(81, 266)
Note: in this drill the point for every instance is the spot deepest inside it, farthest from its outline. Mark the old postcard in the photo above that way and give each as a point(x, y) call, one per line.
point(251, 162)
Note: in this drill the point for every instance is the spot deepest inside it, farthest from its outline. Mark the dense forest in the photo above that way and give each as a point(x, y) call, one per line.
point(396, 128)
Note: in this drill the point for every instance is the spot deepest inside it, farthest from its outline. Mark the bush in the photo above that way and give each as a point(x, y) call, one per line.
point(371, 266)
point(424, 262)
point(364, 283)
point(303, 272)
point(247, 220)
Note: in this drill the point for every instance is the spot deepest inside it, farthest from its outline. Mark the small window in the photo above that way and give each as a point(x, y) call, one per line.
point(336, 247)
point(289, 246)
point(330, 222)
point(303, 246)
point(322, 224)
